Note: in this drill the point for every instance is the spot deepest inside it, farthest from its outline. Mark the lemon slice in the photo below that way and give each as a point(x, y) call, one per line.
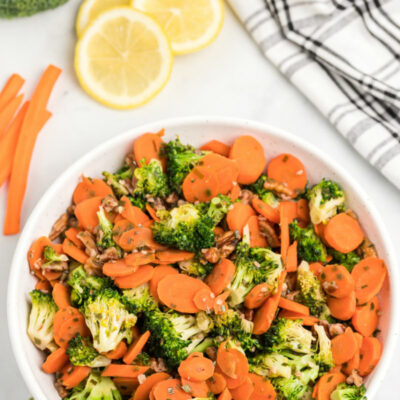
point(189, 24)
point(123, 58)
point(90, 9)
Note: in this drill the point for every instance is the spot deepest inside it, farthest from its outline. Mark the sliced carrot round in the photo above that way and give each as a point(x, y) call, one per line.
point(270, 213)
point(369, 275)
point(201, 184)
point(307, 320)
point(249, 154)
point(61, 295)
point(88, 188)
point(196, 369)
point(170, 390)
point(244, 391)
point(226, 361)
point(256, 239)
point(241, 370)
point(69, 329)
point(238, 215)
point(370, 354)
point(343, 233)
point(220, 305)
point(160, 272)
point(293, 306)
point(64, 314)
point(177, 292)
point(257, 296)
point(173, 256)
point(72, 376)
point(35, 255)
point(216, 147)
point(327, 384)
point(221, 275)
point(140, 258)
point(118, 268)
point(344, 346)
point(121, 226)
point(337, 281)
point(196, 389)
point(148, 147)
point(132, 213)
point(263, 388)
point(141, 276)
point(366, 317)
point(204, 299)
point(343, 308)
point(216, 383)
point(144, 389)
point(225, 395)
point(86, 213)
point(138, 238)
point(288, 169)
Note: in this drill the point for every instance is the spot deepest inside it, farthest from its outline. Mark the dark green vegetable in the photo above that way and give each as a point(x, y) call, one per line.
point(24, 8)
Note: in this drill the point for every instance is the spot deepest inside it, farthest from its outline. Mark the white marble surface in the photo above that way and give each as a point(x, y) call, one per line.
point(229, 78)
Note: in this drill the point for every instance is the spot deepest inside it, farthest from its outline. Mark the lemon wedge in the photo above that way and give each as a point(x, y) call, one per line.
point(189, 24)
point(90, 9)
point(123, 59)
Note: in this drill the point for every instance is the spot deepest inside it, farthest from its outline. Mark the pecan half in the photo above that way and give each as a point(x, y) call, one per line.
point(109, 254)
point(336, 329)
point(59, 227)
point(279, 188)
point(226, 243)
point(158, 365)
point(212, 255)
point(62, 392)
point(354, 378)
point(172, 198)
point(110, 203)
point(89, 242)
point(93, 266)
point(245, 196)
point(367, 249)
point(268, 231)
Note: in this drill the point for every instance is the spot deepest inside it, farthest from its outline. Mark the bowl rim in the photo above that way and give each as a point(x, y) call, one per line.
point(263, 128)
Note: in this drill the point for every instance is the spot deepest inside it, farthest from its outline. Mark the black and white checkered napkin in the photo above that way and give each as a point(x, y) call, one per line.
point(344, 55)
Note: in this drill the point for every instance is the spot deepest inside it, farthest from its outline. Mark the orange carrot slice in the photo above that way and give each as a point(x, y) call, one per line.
point(369, 275)
point(170, 390)
point(293, 306)
point(61, 295)
point(86, 212)
point(327, 384)
point(118, 268)
point(303, 212)
point(354, 362)
point(216, 147)
point(342, 308)
point(244, 391)
point(344, 346)
point(307, 320)
point(73, 375)
point(221, 275)
point(238, 216)
point(173, 256)
point(366, 317)
point(288, 169)
point(69, 328)
point(124, 371)
point(43, 286)
point(220, 305)
point(152, 212)
point(148, 147)
point(257, 296)
point(132, 213)
point(144, 389)
point(234, 194)
point(135, 348)
point(11, 89)
point(126, 386)
point(204, 299)
point(263, 388)
point(291, 257)
point(140, 258)
point(201, 184)
point(74, 252)
point(196, 369)
point(225, 395)
point(159, 273)
point(88, 188)
point(141, 276)
point(8, 112)
point(337, 281)
point(256, 239)
point(72, 235)
point(118, 352)
point(370, 354)
point(217, 383)
point(270, 213)
point(35, 255)
point(55, 361)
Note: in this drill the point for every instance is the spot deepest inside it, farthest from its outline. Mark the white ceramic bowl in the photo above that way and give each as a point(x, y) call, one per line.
point(196, 130)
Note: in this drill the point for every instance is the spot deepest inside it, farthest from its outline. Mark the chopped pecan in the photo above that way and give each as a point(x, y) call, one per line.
point(292, 295)
point(62, 392)
point(156, 203)
point(329, 286)
point(71, 209)
point(336, 329)
point(212, 255)
point(248, 314)
point(90, 243)
point(245, 196)
point(279, 188)
point(367, 249)
point(158, 365)
point(109, 254)
point(182, 202)
point(110, 203)
point(226, 243)
point(130, 161)
point(211, 353)
point(268, 231)
point(93, 266)
point(354, 378)
point(59, 227)
point(73, 222)
point(172, 198)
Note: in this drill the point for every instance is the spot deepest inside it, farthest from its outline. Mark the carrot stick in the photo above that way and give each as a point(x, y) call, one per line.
point(10, 89)
point(343, 233)
point(266, 313)
point(217, 147)
point(24, 150)
point(344, 346)
point(196, 369)
point(342, 308)
point(307, 320)
point(135, 348)
point(55, 361)
point(288, 210)
point(144, 389)
point(124, 371)
point(256, 239)
point(238, 216)
point(303, 212)
point(61, 295)
point(89, 188)
point(8, 112)
point(369, 275)
point(159, 273)
point(9, 140)
point(152, 212)
point(366, 317)
point(177, 292)
point(118, 352)
point(235, 192)
point(337, 281)
point(249, 155)
point(288, 169)
point(72, 376)
point(291, 257)
point(263, 388)
point(291, 305)
point(141, 276)
point(221, 275)
point(216, 383)
point(370, 353)
point(256, 297)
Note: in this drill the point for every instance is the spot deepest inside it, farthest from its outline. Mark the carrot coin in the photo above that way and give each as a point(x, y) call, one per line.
point(337, 281)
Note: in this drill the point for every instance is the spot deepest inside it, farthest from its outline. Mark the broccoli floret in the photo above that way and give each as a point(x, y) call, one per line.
point(232, 325)
point(85, 285)
point(173, 336)
point(195, 267)
point(344, 391)
point(139, 299)
point(326, 200)
point(180, 161)
point(323, 356)
point(218, 207)
point(82, 353)
point(40, 323)
point(106, 227)
point(348, 260)
point(108, 320)
point(24, 8)
point(53, 260)
point(184, 228)
point(292, 388)
point(309, 245)
point(265, 195)
point(120, 181)
point(287, 334)
point(151, 180)
point(311, 292)
point(271, 365)
point(95, 388)
point(142, 359)
point(254, 265)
